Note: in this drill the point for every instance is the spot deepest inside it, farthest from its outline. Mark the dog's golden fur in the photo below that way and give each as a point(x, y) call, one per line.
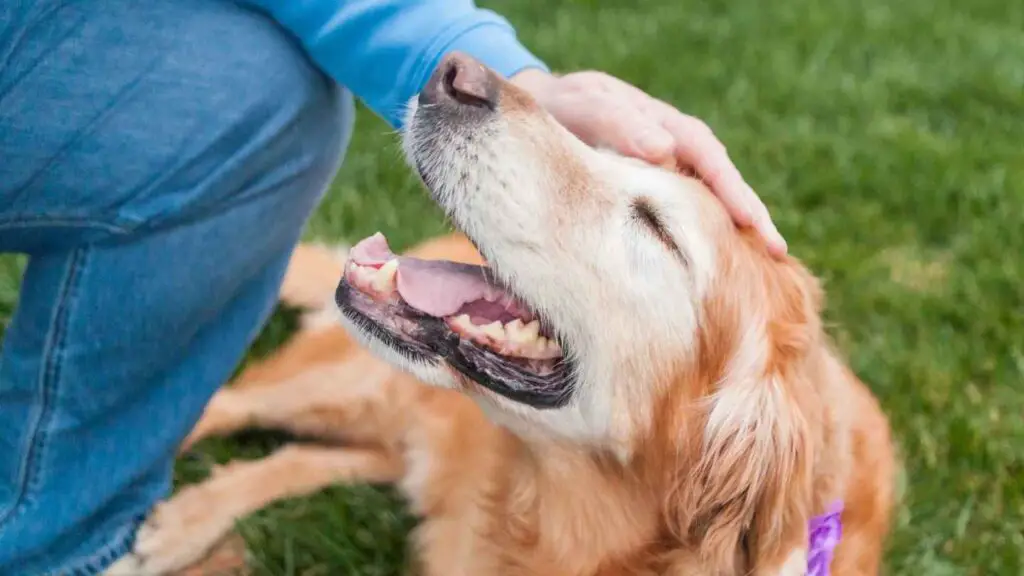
point(493, 505)
point(719, 475)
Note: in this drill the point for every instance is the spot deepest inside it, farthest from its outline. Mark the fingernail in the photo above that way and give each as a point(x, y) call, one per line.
point(766, 226)
point(747, 214)
point(781, 247)
point(776, 240)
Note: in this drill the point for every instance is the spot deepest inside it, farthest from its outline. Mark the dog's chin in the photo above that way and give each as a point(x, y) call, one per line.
point(450, 325)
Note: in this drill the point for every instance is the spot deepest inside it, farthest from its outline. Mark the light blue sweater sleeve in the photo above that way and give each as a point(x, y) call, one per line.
point(384, 50)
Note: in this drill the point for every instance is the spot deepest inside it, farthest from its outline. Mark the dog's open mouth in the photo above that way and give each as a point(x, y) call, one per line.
point(459, 312)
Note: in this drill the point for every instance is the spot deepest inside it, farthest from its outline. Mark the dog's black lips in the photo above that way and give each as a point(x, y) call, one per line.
point(433, 340)
point(412, 350)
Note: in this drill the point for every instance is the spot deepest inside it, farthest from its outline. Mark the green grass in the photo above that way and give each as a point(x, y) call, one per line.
point(888, 140)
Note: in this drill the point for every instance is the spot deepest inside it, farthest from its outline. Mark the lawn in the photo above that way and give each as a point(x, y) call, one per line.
point(887, 139)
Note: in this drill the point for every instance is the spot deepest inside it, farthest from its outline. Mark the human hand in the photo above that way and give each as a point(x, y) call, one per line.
point(602, 110)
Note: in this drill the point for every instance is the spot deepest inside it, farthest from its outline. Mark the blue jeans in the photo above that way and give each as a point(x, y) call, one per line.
point(158, 161)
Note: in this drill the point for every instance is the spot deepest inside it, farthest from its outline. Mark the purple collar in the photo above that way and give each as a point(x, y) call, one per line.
point(825, 531)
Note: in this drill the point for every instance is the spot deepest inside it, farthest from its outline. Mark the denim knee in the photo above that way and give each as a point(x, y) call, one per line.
point(158, 187)
point(141, 114)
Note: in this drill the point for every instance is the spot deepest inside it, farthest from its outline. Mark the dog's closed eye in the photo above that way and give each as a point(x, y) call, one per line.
point(645, 213)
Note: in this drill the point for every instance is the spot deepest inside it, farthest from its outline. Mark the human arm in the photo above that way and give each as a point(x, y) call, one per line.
point(384, 50)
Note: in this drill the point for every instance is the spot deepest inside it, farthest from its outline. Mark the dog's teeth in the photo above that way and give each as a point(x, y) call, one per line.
point(534, 348)
point(362, 275)
point(515, 332)
point(531, 331)
point(541, 349)
point(463, 323)
point(495, 330)
point(384, 279)
point(514, 338)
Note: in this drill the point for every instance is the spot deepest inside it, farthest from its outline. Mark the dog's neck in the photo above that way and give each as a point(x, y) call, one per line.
point(550, 499)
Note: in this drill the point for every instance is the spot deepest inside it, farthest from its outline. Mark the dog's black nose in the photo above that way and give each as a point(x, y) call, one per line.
point(462, 81)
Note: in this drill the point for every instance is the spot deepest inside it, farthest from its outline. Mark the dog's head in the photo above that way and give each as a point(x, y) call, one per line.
point(620, 310)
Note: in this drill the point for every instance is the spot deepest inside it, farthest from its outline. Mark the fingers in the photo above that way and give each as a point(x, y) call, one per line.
point(776, 244)
point(697, 146)
point(608, 112)
point(605, 111)
point(626, 131)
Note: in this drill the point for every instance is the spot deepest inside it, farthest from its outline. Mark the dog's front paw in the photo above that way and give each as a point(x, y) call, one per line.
point(177, 534)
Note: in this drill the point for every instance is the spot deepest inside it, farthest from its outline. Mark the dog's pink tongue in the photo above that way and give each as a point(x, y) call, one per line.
point(441, 288)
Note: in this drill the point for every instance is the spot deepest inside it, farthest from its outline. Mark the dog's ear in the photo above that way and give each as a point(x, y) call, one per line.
point(742, 501)
point(745, 502)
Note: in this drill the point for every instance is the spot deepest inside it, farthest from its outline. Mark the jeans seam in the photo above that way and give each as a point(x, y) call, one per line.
point(39, 221)
point(35, 444)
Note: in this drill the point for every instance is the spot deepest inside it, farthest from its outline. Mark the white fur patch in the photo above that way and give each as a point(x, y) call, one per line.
point(795, 565)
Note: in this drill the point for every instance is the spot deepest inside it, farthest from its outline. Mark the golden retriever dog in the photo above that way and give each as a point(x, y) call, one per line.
point(630, 386)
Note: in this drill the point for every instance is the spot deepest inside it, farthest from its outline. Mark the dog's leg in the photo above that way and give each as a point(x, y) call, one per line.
point(182, 529)
point(305, 350)
point(448, 449)
point(324, 401)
